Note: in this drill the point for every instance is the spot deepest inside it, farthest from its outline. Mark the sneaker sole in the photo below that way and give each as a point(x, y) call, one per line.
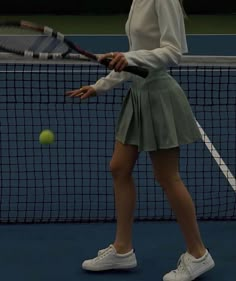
point(200, 273)
point(111, 267)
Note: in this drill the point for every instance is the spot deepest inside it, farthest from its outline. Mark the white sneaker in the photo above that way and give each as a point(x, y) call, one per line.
point(108, 259)
point(189, 268)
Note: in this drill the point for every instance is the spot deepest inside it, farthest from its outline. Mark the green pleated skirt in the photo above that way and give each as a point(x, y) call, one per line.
point(156, 115)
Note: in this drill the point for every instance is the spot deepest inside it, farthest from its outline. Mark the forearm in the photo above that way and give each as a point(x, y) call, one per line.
point(154, 59)
point(110, 81)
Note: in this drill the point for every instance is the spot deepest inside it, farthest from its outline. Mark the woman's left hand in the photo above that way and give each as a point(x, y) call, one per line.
point(118, 61)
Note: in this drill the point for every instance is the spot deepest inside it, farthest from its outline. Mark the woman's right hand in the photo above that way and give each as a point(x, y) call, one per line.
point(83, 93)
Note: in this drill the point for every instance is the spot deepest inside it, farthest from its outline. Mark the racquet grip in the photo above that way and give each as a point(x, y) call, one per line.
point(137, 70)
point(140, 71)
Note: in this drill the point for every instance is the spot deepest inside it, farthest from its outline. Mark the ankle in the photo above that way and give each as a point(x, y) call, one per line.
point(197, 254)
point(122, 248)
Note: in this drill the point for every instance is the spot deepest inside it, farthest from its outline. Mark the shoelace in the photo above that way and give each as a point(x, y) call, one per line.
point(103, 253)
point(181, 265)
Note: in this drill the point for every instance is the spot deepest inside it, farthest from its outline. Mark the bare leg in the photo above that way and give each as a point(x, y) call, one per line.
point(165, 164)
point(122, 164)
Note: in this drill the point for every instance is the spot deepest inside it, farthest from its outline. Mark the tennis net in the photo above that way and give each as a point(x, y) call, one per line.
point(69, 180)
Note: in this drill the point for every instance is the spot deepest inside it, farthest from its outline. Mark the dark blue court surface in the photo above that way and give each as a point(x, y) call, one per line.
point(55, 252)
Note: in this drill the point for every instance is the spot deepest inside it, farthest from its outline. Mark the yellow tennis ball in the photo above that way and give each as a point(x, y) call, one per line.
point(46, 137)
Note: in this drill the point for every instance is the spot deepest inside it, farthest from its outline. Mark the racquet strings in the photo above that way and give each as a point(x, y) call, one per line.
point(15, 39)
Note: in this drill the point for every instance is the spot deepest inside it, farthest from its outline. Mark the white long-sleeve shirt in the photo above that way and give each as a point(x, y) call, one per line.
point(157, 39)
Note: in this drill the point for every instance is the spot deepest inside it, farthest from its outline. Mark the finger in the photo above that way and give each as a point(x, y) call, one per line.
point(110, 55)
point(89, 93)
point(105, 56)
point(121, 65)
point(117, 57)
point(119, 62)
point(70, 93)
point(75, 93)
point(115, 60)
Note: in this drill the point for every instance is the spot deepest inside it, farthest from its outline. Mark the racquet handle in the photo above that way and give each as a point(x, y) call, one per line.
point(137, 70)
point(140, 71)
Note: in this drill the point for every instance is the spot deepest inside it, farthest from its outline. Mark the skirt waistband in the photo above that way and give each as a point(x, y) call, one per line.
point(161, 74)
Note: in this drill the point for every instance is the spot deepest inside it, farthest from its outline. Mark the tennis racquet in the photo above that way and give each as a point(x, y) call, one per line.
point(42, 42)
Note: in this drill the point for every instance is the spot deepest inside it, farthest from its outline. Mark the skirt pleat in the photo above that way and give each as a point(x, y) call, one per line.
point(156, 115)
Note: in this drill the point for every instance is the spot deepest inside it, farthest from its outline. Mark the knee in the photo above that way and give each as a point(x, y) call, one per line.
point(168, 181)
point(119, 170)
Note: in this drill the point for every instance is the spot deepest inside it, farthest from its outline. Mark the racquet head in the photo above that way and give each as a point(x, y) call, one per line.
point(35, 41)
point(28, 39)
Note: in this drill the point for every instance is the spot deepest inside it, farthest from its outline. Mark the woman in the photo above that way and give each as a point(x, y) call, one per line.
point(156, 117)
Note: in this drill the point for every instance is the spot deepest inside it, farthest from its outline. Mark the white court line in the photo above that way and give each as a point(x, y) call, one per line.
point(215, 154)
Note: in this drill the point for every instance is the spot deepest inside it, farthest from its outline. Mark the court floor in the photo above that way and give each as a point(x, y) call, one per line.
point(56, 251)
